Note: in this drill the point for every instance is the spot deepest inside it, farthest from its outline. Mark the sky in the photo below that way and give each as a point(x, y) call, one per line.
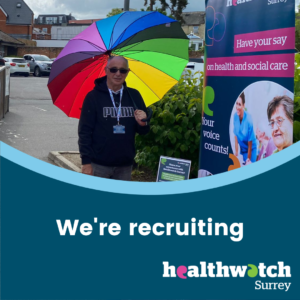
point(94, 9)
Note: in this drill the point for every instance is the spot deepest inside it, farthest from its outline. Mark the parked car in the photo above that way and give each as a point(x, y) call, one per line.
point(17, 66)
point(195, 69)
point(39, 64)
point(2, 61)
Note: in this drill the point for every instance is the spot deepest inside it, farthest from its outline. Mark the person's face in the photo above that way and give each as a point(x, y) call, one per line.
point(116, 78)
point(282, 128)
point(239, 106)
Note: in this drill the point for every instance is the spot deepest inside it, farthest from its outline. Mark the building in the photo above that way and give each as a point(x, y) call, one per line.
point(83, 22)
point(8, 44)
point(66, 33)
point(195, 41)
point(16, 19)
point(44, 23)
point(56, 19)
point(194, 22)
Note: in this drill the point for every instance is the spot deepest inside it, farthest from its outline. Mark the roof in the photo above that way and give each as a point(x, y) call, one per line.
point(3, 11)
point(193, 36)
point(15, 15)
point(5, 38)
point(53, 15)
point(84, 21)
point(195, 18)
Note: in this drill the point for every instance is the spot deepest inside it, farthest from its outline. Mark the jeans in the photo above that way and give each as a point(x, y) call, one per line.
point(118, 173)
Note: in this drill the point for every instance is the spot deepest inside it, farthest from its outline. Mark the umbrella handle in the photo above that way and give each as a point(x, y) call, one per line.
point(150, 113)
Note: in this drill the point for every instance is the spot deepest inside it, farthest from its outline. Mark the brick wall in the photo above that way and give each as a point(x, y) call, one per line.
point(50, 52)
point(2, 20)
point(195, 54)
point(14, 30)
point(46, 36)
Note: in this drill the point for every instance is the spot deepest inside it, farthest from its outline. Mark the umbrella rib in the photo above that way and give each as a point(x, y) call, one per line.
point(152, 67)
point(140, 42)
point(87, 52)
point(78, 63)
point(122, 34)
point(122, 14)
point(92, 44)
point(145, 29)
point(89, 75)
point(140, 51)
point(71, 79)
point(146, 85)
point(114, 29)
point(133, 45)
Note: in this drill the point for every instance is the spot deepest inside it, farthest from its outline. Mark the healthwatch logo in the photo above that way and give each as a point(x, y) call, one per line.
point(236, 2)
point(217, 270)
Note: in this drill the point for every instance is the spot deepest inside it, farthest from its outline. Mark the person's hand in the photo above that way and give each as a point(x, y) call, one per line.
point(87, 169)
point(139, 116)
point(236, 154)
point(248, 162)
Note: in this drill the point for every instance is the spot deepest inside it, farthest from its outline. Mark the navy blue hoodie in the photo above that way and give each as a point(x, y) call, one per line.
point(97, 142)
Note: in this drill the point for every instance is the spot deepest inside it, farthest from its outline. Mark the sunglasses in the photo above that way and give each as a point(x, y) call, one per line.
point(115, 70)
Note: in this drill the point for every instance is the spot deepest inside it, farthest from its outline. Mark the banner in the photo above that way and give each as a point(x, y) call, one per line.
point(249, 82)
point(66, 235)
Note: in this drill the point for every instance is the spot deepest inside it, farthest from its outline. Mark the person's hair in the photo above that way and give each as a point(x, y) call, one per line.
point(286, 102)
point(112, 57)
point(242, 96)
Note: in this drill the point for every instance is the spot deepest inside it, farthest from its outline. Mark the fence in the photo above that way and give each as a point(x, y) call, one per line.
point(4, 90)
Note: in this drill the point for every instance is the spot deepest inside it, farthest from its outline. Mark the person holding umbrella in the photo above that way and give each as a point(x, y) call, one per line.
point(111, 115)
point(87, 81)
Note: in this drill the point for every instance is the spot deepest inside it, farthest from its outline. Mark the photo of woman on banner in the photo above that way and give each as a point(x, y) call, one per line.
point(244, 132)
point(280, 115)
point(265, 126)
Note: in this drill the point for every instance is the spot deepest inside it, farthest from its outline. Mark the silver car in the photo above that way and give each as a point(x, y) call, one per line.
point(39, 64)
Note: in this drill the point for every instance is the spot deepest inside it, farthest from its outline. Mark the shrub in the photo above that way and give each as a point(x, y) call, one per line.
point(297, 99)
point(175, 126)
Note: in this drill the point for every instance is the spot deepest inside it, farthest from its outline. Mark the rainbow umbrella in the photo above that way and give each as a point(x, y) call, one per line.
point(155, 46)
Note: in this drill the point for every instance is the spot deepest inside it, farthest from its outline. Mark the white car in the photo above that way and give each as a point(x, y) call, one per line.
point(17, 65)
point(195, 69)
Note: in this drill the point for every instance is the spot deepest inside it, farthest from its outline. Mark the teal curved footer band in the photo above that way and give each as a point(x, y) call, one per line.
point(151, 188)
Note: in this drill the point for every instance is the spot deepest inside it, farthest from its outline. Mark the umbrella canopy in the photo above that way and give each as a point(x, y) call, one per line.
point(155, 46)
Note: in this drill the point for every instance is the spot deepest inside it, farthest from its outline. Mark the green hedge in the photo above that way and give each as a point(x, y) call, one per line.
point(175, 126)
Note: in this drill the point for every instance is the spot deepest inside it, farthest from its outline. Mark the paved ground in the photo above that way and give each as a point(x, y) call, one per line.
point(33, 124)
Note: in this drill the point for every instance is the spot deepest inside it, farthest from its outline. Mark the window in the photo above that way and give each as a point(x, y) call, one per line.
point(60, 19)
point(45, 30)
point(193, 46)
point(41, 20)
point(196, 29)
point(51, 20)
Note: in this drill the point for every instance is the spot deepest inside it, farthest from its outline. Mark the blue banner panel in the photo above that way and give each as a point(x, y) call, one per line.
point(71, 236)
point(249, 83)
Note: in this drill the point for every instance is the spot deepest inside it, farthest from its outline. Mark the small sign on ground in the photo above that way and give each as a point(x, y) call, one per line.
point(173, 169)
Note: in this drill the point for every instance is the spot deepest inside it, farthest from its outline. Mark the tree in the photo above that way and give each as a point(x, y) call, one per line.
point(298, 30)
point(114, 11)
point(157, 9)
point(176, 7)
point(151, 4)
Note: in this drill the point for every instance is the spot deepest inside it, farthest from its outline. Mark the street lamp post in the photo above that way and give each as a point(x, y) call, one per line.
point(126, 5)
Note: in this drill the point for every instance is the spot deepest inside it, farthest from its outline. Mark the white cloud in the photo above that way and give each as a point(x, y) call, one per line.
point(93, 9)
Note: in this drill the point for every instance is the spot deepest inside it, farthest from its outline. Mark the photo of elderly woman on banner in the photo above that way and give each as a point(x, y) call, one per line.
point(261, 121)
